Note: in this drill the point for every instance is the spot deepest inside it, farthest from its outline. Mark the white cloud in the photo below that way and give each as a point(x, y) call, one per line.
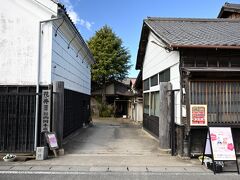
point(74, 15)
point(88, 25)
point(82, 22)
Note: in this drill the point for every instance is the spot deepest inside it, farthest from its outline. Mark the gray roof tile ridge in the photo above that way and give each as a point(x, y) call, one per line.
point(191, 19)
point(231, 5)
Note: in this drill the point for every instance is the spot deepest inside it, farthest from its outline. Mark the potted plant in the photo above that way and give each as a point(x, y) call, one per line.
point(9, 157)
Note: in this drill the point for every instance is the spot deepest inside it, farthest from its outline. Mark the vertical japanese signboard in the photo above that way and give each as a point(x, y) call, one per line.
point(222, 143)
point(46, 111)
point(198, 113)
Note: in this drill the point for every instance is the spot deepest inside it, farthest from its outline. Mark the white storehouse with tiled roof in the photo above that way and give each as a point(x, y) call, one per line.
point(39, 44)
point(185, 62)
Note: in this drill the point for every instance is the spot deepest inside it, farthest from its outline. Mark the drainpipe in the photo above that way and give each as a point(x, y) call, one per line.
point(38, 75)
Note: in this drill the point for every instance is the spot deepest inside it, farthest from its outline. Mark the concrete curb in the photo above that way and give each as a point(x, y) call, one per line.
point(112, 169)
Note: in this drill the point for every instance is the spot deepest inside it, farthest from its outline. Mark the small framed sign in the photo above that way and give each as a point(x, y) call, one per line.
point(198, 113)
point(52, 140)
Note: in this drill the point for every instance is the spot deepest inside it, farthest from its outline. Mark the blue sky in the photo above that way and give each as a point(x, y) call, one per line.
point(125, 17)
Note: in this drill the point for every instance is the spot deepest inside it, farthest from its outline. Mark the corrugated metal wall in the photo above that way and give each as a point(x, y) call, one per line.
point(222, 98)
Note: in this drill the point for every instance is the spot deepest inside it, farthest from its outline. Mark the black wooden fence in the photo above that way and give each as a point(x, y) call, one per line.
point(76, 111)
point(151, 124)
point(17, 119)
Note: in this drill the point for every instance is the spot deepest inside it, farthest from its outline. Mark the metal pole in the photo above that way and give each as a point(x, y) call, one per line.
point(38, 76)
point(173, 149)
point(173, 123)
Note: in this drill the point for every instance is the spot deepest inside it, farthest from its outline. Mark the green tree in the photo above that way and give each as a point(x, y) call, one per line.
point(112, 58)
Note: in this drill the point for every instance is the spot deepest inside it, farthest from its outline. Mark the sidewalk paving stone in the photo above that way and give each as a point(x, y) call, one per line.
point(21, 168)
point(79, 168)
point(4, 168)
point(41, 168)
point(99, 169)
point(138, 169)
point(118, 169)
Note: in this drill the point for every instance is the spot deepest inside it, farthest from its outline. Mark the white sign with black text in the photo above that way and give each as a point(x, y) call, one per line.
point(46, 111)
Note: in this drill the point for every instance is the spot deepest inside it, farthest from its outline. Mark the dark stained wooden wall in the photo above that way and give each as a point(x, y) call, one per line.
point(210, 65)
point(210, 58)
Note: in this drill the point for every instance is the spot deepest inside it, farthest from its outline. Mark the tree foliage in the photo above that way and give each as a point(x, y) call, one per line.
point(112, 58)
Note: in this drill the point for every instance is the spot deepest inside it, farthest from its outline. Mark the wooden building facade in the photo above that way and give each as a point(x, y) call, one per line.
point(211, 77)
point(189, 62)
point(119, 96)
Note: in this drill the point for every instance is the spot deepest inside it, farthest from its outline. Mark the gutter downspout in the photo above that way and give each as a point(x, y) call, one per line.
point(38, 76)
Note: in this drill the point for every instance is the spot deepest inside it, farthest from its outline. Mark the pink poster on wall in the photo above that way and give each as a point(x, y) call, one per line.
point(222, 143)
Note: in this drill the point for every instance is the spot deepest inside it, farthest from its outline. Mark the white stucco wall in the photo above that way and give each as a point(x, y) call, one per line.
point(156, 60)
point(19, 47)
point(19, 32)
point(66, 66)
point(175, 81)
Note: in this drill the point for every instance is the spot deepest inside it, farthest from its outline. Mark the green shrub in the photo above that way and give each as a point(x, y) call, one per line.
point(105, 110)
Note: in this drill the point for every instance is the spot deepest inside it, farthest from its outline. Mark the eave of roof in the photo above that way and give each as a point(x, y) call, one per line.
point(210, 69)
point(138, 83)
point(67, 17)
point(228, 7)
point(177, 46)
point(142, 45)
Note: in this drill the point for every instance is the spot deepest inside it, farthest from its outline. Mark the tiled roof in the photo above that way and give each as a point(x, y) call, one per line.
point(208, 33)
point(229, 8)
point(233, 6)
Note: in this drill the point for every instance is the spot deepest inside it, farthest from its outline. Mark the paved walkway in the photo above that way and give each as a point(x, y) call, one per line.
point(113, 145)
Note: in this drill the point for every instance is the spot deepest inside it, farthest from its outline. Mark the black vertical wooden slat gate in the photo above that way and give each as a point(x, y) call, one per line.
point(17, 119)
point(221, 97)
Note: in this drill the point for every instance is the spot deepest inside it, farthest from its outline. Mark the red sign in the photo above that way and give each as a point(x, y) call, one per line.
point(198, 115)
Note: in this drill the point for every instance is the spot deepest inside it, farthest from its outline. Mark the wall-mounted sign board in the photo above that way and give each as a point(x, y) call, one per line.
point(46, 111)
point(198, 115)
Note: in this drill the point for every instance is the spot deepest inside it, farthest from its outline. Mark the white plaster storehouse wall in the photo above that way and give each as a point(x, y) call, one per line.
point(156, 60)
point(19, 28)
